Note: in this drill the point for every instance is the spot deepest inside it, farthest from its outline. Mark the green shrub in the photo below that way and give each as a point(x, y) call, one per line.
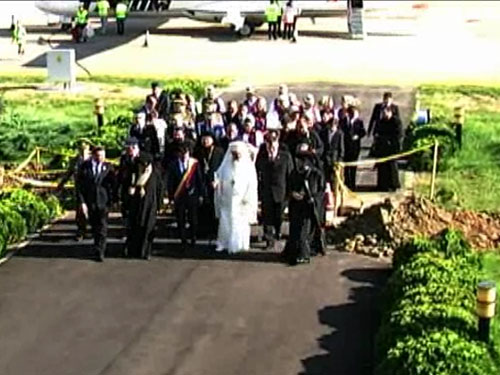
point(441, 352)
point(23, 212)
point(12, 226)
point(30, 206)
point(428, 319)
point(421, 135)
point(411, 319)
point(54, 206)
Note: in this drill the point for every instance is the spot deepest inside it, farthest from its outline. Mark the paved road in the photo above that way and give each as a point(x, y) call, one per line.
point(63, 314)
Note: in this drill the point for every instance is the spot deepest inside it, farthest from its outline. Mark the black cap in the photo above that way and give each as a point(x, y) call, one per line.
point(155, 84)
point(131, 141)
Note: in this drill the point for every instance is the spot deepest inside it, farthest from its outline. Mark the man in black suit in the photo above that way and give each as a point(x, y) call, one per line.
point(353, 129)
point(333, 139)
point(274, 165)
point(96, 191)
point(378, 111)
point(186, 191)
point(161, 99)
point(307, 134)
point(210, 158)
point(126, 171)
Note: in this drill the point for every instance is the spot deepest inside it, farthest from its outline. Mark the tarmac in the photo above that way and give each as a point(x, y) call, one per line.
point(189, 313)
point(442, 42)
point(197, 313)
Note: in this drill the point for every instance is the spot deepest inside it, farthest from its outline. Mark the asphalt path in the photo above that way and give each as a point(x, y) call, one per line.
point(190, 313)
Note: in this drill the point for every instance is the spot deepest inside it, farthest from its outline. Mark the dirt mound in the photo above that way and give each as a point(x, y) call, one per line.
point(381, 228)
point(420, 216)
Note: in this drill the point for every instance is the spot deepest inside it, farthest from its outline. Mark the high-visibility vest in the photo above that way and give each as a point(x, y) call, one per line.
point(81, 16)
point(272, 13)
point(121, 11)
point(102, 8)
point(20, 35)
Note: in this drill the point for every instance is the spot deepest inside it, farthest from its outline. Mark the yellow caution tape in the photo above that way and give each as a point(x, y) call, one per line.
point(25, 163)
point(338, 168)
point(385, 159)
point(37, 183)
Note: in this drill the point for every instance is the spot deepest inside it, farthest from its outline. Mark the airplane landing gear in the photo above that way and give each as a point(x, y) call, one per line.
point(246, 30)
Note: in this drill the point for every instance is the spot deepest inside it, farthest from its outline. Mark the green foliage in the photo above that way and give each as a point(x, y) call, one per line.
point(113, 136)
point(422, 135)
point(57, 121)
point(12, 226)
point(30, 206)
point(442, 352)
point(476, 167)
point(23, 212)
point(428, 320)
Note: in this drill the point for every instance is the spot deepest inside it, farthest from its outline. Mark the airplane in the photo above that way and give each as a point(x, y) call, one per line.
point(242, 16)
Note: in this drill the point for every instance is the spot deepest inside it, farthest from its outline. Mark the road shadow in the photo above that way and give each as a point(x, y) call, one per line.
point(349, 343)
point(214, 34)
point(58, 39)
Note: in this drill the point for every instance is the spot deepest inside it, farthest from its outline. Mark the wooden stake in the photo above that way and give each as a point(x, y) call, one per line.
point(434, 170)
point(37, 166)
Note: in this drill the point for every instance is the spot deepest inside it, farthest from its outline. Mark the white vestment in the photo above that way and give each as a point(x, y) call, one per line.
point(236, 199)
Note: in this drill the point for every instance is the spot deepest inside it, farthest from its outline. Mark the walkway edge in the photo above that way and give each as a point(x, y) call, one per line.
point(12, 249)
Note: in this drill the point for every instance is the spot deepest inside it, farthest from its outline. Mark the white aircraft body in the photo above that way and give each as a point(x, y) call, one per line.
point(242, 16)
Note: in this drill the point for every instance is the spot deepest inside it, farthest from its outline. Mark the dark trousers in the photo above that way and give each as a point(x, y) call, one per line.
point(187, 208)
point(98, 219)
point(272, 30)
point(301, 218)
point(81, 221)
point(209, 221)
point(350, 177)
point(278, 26)
point(288, 31)
point(388, 176)
point(272, 213)
point(120, 26)
point(80, 33)
point(140, 241)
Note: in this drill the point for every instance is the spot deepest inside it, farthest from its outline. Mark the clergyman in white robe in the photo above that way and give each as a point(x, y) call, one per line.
point(236, 199)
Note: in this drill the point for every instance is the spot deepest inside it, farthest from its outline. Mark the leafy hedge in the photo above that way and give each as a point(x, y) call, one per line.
point(421, 135)
point(23, 212)
point(428, 321)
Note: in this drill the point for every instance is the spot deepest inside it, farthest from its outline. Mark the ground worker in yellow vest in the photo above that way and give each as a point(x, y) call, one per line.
point(272, 13)
point(82, 19)
point(103, 11)
point(13, 30)
point(121, 15)
point(20, 35)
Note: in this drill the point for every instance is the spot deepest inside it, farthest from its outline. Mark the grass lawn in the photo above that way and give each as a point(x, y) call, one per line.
point(55, 120)
point(474, 172)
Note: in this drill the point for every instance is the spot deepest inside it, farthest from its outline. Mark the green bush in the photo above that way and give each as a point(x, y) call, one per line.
point(421, 135)
point(23, 212)
point(12, 226)
point(428, 321)
point(442, 352)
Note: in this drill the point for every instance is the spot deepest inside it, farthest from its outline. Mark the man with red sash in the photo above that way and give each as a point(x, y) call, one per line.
point(186, 190)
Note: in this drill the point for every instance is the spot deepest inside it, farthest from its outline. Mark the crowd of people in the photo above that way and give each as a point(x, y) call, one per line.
point(213, 162)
